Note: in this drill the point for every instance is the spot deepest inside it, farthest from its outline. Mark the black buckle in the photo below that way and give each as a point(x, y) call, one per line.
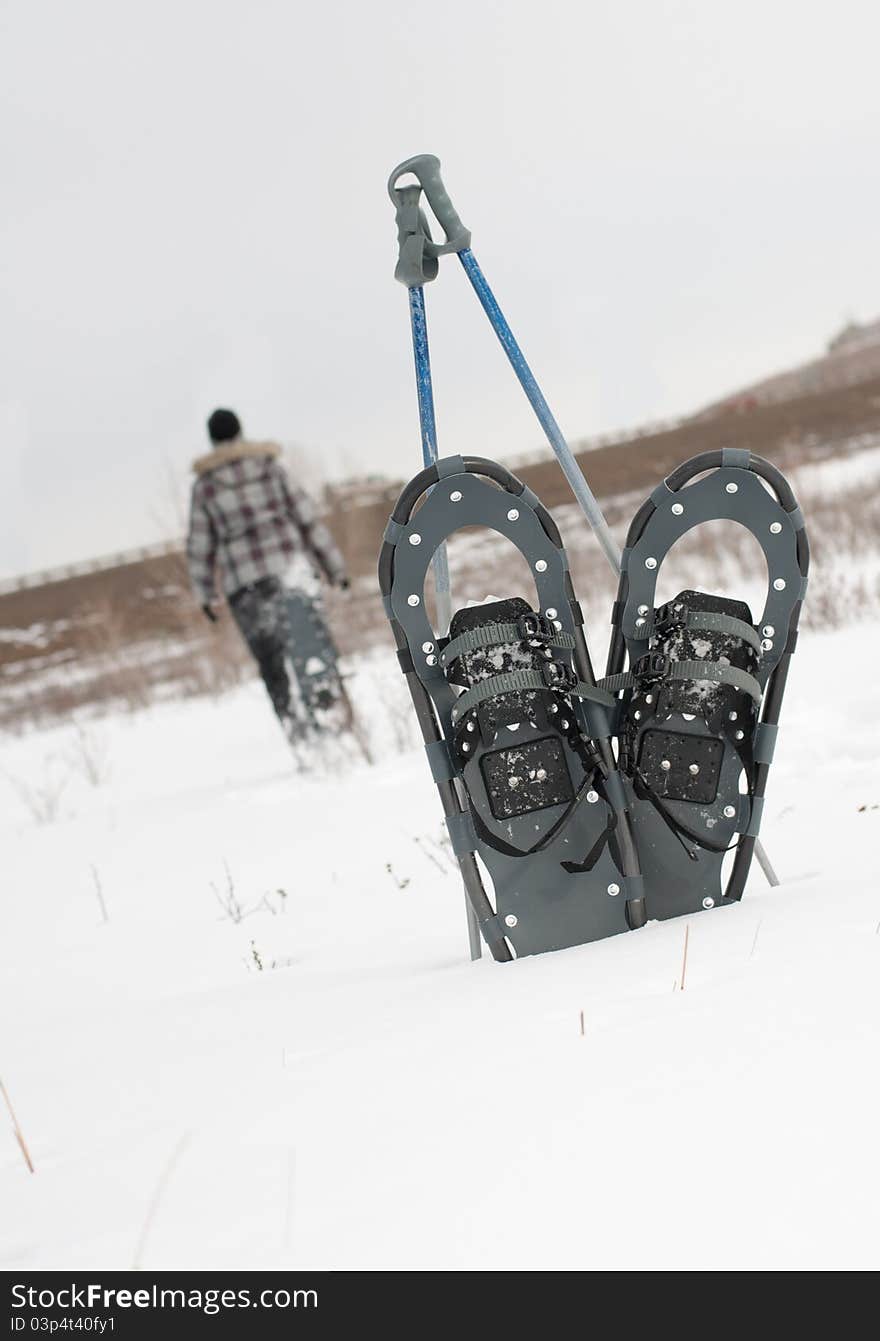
point(652, 667)
point(532, 627)
point(558, 676)
point(666, 620)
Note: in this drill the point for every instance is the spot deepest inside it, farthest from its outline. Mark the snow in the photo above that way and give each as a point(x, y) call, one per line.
point(368, 1098)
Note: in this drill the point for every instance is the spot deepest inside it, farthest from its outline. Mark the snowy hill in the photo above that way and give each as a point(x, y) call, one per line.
point(239, 1027)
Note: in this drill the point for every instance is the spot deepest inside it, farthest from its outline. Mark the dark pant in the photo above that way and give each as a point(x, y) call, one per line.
point(285, 630)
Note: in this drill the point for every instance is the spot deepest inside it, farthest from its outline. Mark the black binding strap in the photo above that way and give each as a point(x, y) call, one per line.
point(589, 861)
point(484, 832)
point(709, 621)
point(553, 675)
point(656, 666)
point(529, 628)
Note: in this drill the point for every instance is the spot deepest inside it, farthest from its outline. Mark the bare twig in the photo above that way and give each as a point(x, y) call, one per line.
point(43, 799)
point(88, 754)
point(420, 844)
point(684, 960)
point(100, 893)
point(228, 899)
point(161, 1186)
point(400, 881)
point(19, 1134)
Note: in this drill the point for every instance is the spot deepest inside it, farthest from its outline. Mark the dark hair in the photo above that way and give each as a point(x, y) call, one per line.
point(223, 426)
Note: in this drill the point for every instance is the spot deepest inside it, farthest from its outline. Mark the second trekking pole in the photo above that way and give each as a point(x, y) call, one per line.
point(414, 271)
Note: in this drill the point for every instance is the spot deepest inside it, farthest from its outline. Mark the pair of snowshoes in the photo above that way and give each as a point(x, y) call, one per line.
point(596, 806)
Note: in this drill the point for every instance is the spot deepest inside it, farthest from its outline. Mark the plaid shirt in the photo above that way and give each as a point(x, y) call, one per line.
point(246, 517)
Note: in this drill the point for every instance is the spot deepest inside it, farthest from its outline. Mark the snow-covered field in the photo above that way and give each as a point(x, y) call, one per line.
point(329, 1082)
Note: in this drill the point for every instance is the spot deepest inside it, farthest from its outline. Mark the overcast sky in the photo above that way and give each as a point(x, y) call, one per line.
point(670, 197)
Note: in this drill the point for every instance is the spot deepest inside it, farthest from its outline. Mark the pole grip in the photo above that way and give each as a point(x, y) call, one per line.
point(417, 263)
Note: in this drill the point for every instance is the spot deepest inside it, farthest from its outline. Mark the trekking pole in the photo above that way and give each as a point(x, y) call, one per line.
point(415, 268)
point(421, 256)
point(425, 391)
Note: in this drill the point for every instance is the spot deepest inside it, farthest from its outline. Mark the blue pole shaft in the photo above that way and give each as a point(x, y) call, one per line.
point(570, 467)
point(424, 387)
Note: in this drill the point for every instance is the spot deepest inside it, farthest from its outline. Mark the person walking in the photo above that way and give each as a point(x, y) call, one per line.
point(262, 532)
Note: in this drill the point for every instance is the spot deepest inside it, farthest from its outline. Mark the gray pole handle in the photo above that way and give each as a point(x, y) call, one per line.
point(426, 169)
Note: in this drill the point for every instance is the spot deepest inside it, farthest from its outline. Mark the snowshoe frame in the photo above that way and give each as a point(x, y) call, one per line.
point(732, 491)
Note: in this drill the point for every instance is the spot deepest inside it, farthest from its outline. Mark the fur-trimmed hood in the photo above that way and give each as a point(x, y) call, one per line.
point(234, 451)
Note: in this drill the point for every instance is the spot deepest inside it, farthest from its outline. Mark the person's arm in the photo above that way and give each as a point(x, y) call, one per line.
point(201, 551)
point(318, 541)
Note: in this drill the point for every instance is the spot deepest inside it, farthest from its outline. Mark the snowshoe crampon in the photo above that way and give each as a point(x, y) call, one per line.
point(517, 736)
point(700, 707)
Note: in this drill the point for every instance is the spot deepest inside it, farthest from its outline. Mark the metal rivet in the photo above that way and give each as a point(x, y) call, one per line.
point(551, 613)
point(470, 727)
point(637, 715)
point(643, 609)
point(665, 765)
point(592, 797)
point(738, 735)
point(775, 528)
point(732, 716)
point(767, 645)
point(541, 566)
point(412, 600)
point(557, 624)
point(554, 707)
point(649, 698)
point(427, 647)
point(613, 889)
point(677, 509)
point(465, 745)
point(431, 660)
point(455, 496)
point(729, 812)
point(694, 769)
point(779, 584)
point(564, 724)
point(768, 630)
point(510, 920)
point(708, 902)
point(513, 514)
point(650, 563)
point(415, 538)
point(732, 488)
point(640, 623)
